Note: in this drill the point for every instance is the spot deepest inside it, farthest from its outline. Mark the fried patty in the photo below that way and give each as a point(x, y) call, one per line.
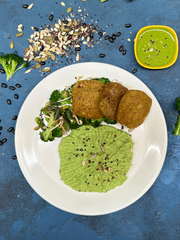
point(112, 94)
point(133, 108)
point(86, 98)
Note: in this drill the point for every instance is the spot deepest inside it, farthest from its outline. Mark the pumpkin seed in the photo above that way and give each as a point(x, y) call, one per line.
point(50, 41)
point(42, 59)
point(53, 57)
point(11, 45)
point(76, 33)
point(38, 65)
point(48, 38)
point(66, 30)
point(69, 24)
point(69, 9)
point(37, 59)
point(36, 128)
point(47, 69)
point(75, 22)
point(100, 167)
point(48, 53)
point(35, 48)
point(26, 49)
point(19, 34)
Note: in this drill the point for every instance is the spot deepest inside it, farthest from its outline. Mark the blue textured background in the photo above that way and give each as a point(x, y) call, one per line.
point(25, 215)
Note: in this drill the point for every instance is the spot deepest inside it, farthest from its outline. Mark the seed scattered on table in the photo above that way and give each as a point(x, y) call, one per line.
point(11, 45)
point(134, 70)
point(18, 85)
point(8, 101)
point(124, 52)
point(16, 96)
point(101, 55)
point(128, 25)
point(2, 71)
point(30, 6)
point(121, 48)
point(10, 129)
point(14, 117)
point(25, 5)
point(3, 85)
point(14, 157)
point(12, 88)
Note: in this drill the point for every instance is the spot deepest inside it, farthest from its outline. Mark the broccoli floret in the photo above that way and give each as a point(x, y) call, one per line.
point(55, 96)
point(10, 64)
point(177, 126)
point(109, 121)
point(57, 132)
point(47, 134)
point(96, 122)
point(103, 80)
point(74, 124)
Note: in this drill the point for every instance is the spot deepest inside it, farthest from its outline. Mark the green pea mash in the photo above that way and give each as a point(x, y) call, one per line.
point(95, 159)
point(156, 47)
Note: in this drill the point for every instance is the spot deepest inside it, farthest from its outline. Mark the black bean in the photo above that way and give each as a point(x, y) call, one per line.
point(84, 25)
point(8, 101)
point(16, 96)
point(128, 25)
point(56, 38)
point(3, 85)
point(0, 128)
point(77, 49)
point(101, 55)
point(118, 34)
point(106, 37)
point(14, 157)
point(25, 6)
point(36, 29)
point(100, 34)
point(18, 85)
point(1, 143)
point(69, 37)
point(124, 52)
point(111, 40)
point(51, 17)
point(114, 36)
point(12, 88)
point(2, 71)
point(42, 63)
point(13, 132)
point(121, 48)
point(10, 129)
point(4, 140)
point(91, 35)
point(42, 48)
point(134, 70)
point(65, 21)
point(14, 117)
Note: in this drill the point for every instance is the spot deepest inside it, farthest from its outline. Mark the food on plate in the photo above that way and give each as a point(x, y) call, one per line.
point(86, 98)
point(156, 47)
point(133, 108)
point(10, 63)
point(111, 96)
point(177, 126)
point(58, 111)
point(95, 159)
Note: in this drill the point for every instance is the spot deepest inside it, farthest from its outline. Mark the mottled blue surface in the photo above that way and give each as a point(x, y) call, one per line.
point(25, 215)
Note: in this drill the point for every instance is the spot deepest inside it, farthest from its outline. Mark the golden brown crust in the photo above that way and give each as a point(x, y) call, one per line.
point(86, 98)
point(112, 94)
point(133, 108)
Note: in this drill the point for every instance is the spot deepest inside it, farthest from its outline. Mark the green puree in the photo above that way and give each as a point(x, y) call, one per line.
point(156, 47)
point(95, 159)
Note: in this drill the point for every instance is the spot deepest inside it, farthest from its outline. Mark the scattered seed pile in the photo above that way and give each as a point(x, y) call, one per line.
point(95, 159)
point(63, 38)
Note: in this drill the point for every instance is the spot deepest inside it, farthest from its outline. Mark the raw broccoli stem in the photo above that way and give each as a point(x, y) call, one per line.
point(177, 128)
point(40, 123)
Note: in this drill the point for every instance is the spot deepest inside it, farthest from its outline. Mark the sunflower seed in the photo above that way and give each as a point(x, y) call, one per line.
point(63, 4)
point(26, 49)
point(28, 71)
point(36, 128)
point(38, 65)
point(30, 6)
point(131, 129)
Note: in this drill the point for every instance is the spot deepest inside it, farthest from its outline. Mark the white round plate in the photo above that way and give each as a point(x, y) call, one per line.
point(39, 161)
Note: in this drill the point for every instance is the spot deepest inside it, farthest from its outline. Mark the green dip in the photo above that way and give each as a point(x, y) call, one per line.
point(95, 159)
point(156, 47)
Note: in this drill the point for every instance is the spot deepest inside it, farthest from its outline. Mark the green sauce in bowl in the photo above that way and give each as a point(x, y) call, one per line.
point(156, 47)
